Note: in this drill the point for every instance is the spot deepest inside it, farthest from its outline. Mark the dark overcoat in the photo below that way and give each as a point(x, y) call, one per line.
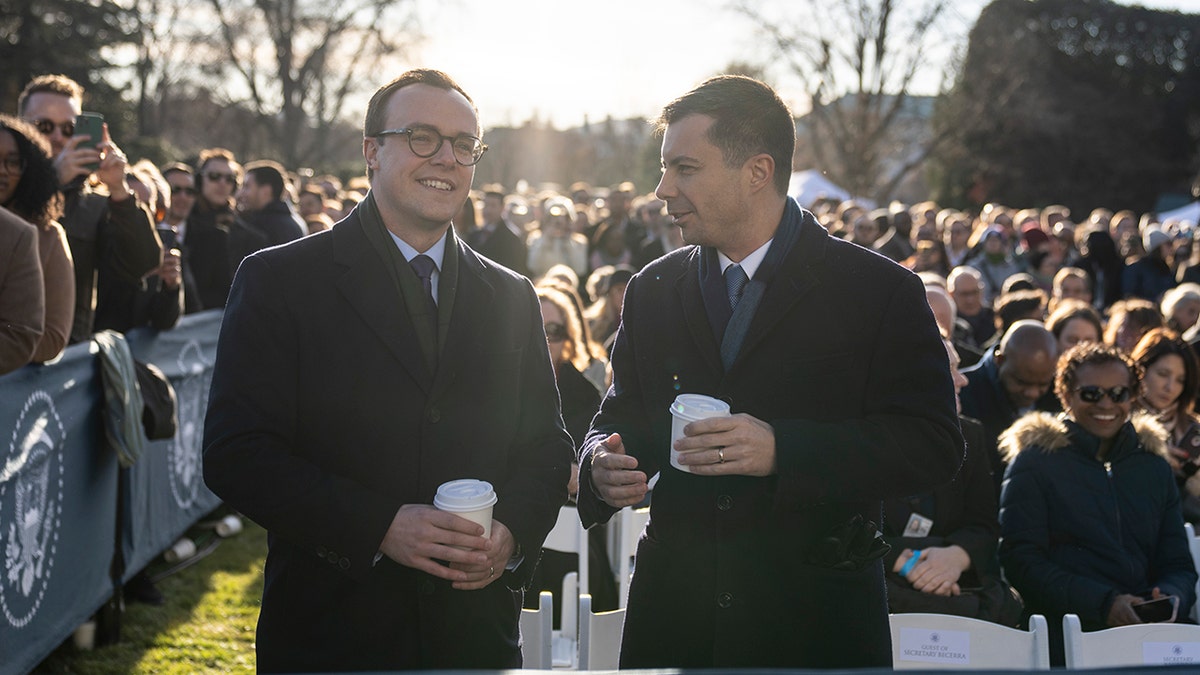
point(324, 419)
point(844, 361)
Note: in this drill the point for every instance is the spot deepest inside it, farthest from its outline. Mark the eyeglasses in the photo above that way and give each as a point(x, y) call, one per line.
point(555, 332)
point(184, 190)
point(1093, 394)
point(214, 176)
point(47, 127)
point(425, 142)
point(12, 163)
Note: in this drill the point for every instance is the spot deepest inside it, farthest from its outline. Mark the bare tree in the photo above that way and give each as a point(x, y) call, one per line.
point(295, 63)
point(856, 61)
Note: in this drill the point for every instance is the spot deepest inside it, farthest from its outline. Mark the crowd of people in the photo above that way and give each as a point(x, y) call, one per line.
point(1070, 341)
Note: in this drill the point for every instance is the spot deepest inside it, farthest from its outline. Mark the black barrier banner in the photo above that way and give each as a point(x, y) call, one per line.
point(58, 505)
point(165, 488)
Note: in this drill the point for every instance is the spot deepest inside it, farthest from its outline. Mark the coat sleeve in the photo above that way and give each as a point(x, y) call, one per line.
point(22, 295)
point(135, 246)
point(621, 412)
point(59, 271)
point(907, 439)
point(1172, 558)
point(249, 433)
point(979, 531)
point(540, 456)
point(1025, 548)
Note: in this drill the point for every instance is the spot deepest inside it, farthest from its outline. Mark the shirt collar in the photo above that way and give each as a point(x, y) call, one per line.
point(437, 252)
point(750, 263)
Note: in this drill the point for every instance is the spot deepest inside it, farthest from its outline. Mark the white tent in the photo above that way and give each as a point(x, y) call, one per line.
point(808, 186)
point(1190, 213)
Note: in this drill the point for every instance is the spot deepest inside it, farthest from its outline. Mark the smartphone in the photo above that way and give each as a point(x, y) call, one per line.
point(1161, 610)
point(168, 237)
point(90, 125)
point(1191, 441)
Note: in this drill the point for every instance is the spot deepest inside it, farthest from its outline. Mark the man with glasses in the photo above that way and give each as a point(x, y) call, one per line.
point(111, 235)
point(359, 369)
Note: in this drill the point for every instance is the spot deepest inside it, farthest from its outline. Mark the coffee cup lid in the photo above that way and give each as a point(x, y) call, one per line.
point(466, 494)
point(698, 406)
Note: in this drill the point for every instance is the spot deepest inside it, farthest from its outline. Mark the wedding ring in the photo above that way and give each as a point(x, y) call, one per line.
point(720, 455)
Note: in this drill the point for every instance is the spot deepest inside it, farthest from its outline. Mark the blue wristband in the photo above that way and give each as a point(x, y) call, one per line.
point(912, 562)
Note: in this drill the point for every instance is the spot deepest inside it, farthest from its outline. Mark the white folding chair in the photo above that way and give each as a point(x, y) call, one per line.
point(623, 546)
point(536, 625)
point(599, 636)
point(946, 642)
point(564, 643)
point(1146, 644)
point(1194, 547)
point(569, 536)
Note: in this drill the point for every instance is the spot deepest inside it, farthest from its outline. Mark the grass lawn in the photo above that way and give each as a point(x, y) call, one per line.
point(206, 625)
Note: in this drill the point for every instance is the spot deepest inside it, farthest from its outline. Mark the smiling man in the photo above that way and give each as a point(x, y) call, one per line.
point(359, 369)
point(764, 554)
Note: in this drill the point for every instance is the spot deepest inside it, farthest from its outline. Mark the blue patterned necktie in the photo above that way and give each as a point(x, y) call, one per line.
point(423, 266)
point(735, 283)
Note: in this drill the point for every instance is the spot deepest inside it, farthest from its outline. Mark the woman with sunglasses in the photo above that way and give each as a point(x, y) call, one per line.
point(217, 239)
point(1089, 516)
point(1169, 393)
point(29, 188)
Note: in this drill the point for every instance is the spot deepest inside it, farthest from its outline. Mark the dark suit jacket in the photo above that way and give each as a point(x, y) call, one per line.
point(324, 420)
point(844, 361)
point(503, 245)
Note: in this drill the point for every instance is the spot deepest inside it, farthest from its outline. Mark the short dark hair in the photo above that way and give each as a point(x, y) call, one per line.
point(1070, 310)
point(270, 173)
point(49, 84)
point(209, 154)
point(377, 109)
point(36, 197)
point(1090, 354)
point(749, 119)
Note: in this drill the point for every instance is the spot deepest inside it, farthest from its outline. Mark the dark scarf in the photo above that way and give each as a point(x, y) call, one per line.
point(431, 327)
point(730, 327)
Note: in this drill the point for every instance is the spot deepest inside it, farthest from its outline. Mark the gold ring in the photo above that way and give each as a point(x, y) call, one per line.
point(720, 455)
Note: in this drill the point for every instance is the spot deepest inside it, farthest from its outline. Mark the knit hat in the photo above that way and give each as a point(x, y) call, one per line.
point(1154, 237)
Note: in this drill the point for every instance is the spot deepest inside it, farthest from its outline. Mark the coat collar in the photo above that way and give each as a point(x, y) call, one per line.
point(795, 277)
point(367, 287)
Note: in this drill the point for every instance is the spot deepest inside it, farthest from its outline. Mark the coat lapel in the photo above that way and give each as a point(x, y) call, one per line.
point(794, 279)
point(369, 289)
point(692, 299)
point(473, 295)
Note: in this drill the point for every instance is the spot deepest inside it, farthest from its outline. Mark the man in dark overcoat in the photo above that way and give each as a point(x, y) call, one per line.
point(765, 554)
point(352, 379)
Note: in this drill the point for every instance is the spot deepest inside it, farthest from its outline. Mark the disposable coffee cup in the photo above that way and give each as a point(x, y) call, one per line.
point(229, 526)
point(84, 636)
point(470, 499)
point(691, 408)
point(180, 550)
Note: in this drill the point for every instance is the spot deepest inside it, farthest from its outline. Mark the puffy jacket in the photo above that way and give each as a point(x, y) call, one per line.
point(1076, 531)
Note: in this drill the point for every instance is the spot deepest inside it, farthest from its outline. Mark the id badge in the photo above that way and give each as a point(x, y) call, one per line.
point(918, 526)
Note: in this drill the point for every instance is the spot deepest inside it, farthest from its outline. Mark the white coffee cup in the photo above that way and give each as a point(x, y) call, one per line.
point(468, 498)
point(690, 408)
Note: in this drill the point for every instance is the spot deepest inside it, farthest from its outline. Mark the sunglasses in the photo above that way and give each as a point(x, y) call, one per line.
point(183, 190)
point(214, 176)
point(47, 127)
point(555, 332)
point(1093, 394)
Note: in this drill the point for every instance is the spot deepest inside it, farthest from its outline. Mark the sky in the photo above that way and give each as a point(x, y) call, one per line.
point(563, 60)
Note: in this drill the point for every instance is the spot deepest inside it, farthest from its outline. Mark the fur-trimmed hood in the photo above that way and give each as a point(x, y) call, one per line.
point(1048, 432)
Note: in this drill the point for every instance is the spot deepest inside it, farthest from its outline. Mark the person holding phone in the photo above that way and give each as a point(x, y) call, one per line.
point(1169, 393)
point(1089, 517)
point(110, 232)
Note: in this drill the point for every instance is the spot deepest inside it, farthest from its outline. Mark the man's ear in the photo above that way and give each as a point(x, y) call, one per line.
point(371, 152)
point(761, 169)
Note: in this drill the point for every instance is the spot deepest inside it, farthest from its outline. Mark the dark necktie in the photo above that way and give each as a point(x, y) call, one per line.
point(423, 266)
point(735, 283)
